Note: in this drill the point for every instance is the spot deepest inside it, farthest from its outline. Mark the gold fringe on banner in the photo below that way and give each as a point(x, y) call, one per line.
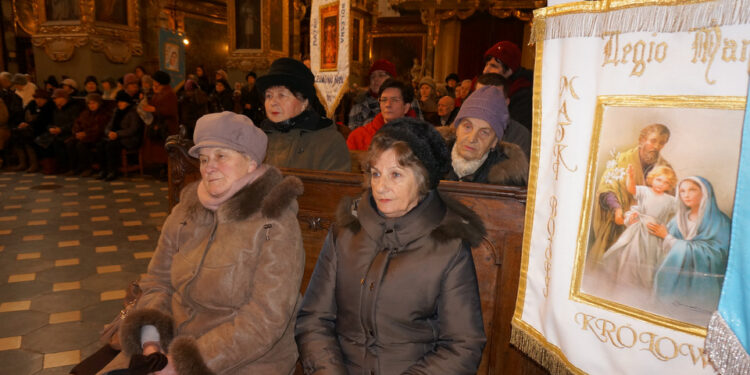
point(538, 352)
point(593, 18)
point(725, 350)
point(331, 109)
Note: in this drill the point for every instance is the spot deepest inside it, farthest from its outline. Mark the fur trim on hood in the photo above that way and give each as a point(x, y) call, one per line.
point(459, 222)
point(271, 193)
point(512, 171)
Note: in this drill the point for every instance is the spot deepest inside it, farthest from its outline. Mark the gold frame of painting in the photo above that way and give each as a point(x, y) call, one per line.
point(257, 58)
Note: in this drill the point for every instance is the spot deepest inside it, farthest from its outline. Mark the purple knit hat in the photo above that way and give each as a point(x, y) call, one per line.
point(488, 104)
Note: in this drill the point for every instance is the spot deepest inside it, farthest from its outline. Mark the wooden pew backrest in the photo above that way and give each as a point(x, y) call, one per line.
point(497, 259)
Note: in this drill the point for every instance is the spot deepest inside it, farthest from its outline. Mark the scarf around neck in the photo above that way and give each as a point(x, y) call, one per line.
point(307, 120)
point(212, 203)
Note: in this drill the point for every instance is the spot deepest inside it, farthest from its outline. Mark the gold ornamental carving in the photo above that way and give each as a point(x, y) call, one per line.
point(463, 9)
point(59, 48)
point(258, 54)
point(109, 29)
point(26, 15)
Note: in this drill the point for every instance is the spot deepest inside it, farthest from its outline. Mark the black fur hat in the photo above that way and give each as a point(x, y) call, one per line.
point(425, 142)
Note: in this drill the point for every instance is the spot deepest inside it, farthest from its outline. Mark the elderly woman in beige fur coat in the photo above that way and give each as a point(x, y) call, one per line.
point(222, 290)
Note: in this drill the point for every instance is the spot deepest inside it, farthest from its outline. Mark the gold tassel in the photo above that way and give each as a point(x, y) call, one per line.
point(594, 18)
point(539, 353)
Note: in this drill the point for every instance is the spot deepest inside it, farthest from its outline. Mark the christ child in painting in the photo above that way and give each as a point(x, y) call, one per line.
point(633, 259)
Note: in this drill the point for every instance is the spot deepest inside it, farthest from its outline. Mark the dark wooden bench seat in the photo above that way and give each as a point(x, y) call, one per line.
point(497, 259)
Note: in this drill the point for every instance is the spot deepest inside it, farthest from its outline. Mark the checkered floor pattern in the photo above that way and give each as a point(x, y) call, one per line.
point(69, 247)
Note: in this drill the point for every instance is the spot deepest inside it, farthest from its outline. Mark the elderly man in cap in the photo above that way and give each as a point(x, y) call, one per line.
point(446, 111)
point(132, 86)
point(505, 58)
point(71, 86)
point(478, 155)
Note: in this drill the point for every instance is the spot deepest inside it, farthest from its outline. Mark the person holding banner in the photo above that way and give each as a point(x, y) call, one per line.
point(394, 290)
point(299, 136)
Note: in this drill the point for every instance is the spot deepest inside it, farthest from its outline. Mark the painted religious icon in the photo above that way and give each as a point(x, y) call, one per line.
point(112, 11)
point(62, 10)
point(661, 191)
point(171, 57)
point(329, 51)
point(248, 21)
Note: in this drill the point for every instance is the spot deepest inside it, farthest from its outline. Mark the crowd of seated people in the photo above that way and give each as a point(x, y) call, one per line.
point(414, 136)
point(62, 128)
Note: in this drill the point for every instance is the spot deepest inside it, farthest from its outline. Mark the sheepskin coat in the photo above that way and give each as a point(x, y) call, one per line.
point(226, 283)
point(395, 295)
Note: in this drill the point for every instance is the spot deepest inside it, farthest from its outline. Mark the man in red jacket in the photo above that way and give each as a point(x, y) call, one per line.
point(395, 99)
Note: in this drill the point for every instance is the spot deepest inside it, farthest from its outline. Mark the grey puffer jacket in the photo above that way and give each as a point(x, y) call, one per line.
point(395, 296)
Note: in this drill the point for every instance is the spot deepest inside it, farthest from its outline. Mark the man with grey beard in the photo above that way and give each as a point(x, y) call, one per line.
point(612, 197)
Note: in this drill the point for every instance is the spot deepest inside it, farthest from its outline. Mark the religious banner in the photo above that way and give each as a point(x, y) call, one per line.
point(728, 336)
point(329, 50)
point(638, 118)
point(172, 56)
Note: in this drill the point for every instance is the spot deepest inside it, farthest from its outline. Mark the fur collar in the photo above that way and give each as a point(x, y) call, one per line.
point(512, 171)
point(459, 221)
point(270, 194)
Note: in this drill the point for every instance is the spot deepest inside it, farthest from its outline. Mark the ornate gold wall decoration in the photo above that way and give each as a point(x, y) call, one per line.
point(59, 48)
point(247, 50)
point(26, 15)
point(111, 28)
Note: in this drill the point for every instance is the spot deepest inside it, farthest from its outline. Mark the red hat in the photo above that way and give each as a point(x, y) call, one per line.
point(385, 66)
point(507, 52)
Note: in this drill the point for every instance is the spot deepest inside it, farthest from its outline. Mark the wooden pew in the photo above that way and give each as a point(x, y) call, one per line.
point(497, 259)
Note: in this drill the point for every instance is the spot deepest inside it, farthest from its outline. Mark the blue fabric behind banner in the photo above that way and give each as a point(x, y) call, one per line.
point(734, 304)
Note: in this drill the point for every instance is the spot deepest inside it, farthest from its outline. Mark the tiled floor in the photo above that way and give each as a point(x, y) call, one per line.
point(68, 249)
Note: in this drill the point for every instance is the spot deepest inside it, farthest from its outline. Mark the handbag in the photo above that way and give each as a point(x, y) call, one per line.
point(110, 336)
point(110, 333)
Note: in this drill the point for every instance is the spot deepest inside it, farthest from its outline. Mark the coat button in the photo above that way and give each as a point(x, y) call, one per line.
point(371, 332)
point(372, 286)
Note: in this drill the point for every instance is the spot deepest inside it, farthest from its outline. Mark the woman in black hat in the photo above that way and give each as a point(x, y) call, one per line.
point(394, 290)
point(299, 135)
